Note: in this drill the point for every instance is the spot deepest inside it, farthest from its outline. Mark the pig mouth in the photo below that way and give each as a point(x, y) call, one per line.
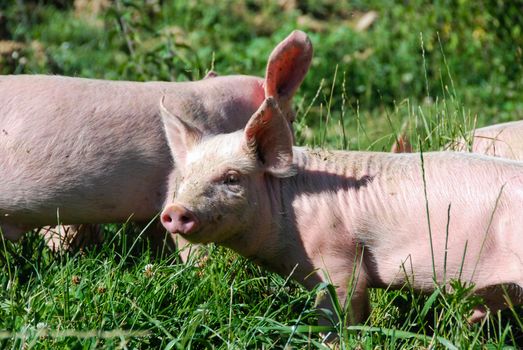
point(191, 237)
point(206, 236)
point(197, 236)
point(208, 230)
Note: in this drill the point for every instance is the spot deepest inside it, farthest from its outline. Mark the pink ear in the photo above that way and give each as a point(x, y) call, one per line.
point(269, 138)
point(181, 136)
point(210, 74)
point(402, 145)
point(287, 66)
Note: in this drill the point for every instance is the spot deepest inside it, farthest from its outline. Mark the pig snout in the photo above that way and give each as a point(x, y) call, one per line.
point(178, 219)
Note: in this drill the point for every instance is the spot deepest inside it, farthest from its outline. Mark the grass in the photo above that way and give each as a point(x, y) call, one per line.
point(113, 298)
point(435, 70)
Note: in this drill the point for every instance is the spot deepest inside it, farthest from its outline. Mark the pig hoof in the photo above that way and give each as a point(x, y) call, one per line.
point(478, 314)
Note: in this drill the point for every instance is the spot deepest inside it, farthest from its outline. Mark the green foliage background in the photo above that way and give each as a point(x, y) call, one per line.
point(476, 43)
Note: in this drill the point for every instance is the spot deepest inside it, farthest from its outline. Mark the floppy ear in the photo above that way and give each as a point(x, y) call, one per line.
point(181, 136)
point(268, 137)
point(287, 66)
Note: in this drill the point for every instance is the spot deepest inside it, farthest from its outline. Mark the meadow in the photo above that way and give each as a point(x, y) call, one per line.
point(431, 70)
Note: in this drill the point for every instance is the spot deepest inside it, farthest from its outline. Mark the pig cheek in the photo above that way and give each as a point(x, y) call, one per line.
point(213, 206)
point(227, 215)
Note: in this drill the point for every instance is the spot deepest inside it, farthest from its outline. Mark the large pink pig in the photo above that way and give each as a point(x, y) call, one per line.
point(351, 218)
point(499, 140)
point(92, 151)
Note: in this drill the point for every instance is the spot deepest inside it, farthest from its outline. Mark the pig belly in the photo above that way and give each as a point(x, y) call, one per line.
point(471, 254)
point(111, 196)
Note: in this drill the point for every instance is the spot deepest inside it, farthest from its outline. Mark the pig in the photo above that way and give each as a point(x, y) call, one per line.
point(78, 151)
point(349, 218)
point(503, 140)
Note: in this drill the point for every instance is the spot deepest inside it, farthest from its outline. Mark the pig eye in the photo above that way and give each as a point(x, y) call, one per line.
point(231, 178)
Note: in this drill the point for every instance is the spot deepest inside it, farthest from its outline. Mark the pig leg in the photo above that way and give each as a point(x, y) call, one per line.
point(186, 249)
point(353, 284)
point(501, 294)
point(13, 232)
point(358, 311)
point(57, 237)
point(358, 306)
point(72, 237)
point(163, 242)
point(496, 298)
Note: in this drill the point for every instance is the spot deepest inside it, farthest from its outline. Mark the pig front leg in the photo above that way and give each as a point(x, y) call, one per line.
point(186, 249)
point(163, 242)
point(73, 237)
point(358, 310)
point(496, 298)
point(351, 292)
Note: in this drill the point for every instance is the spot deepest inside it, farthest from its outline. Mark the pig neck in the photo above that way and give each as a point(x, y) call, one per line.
point(309, 232)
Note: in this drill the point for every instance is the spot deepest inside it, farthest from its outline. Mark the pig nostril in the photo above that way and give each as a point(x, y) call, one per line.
point(167, 218)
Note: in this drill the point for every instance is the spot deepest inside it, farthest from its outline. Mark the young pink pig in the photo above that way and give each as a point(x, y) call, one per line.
point(361, 218)
point(79, 151)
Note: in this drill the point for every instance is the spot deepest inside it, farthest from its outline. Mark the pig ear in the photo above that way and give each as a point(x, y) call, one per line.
point(210, 74)
point(269, 138)
point(287, 66)
point(181, 136)
point(402, 145)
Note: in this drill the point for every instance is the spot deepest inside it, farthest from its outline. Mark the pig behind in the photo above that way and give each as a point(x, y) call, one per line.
point(322, 215)
point(78, 150)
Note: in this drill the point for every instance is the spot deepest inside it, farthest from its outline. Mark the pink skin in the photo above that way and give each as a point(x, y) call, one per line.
point(321, 215)
point(180, 220)
point(94, 151)
point(499, 140)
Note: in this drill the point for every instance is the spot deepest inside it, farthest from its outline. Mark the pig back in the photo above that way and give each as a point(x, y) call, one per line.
point(500, 140)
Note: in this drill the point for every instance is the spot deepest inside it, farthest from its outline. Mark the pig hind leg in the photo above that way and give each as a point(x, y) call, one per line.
point(13, 232)
point(496, 298)
point(72, 237)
